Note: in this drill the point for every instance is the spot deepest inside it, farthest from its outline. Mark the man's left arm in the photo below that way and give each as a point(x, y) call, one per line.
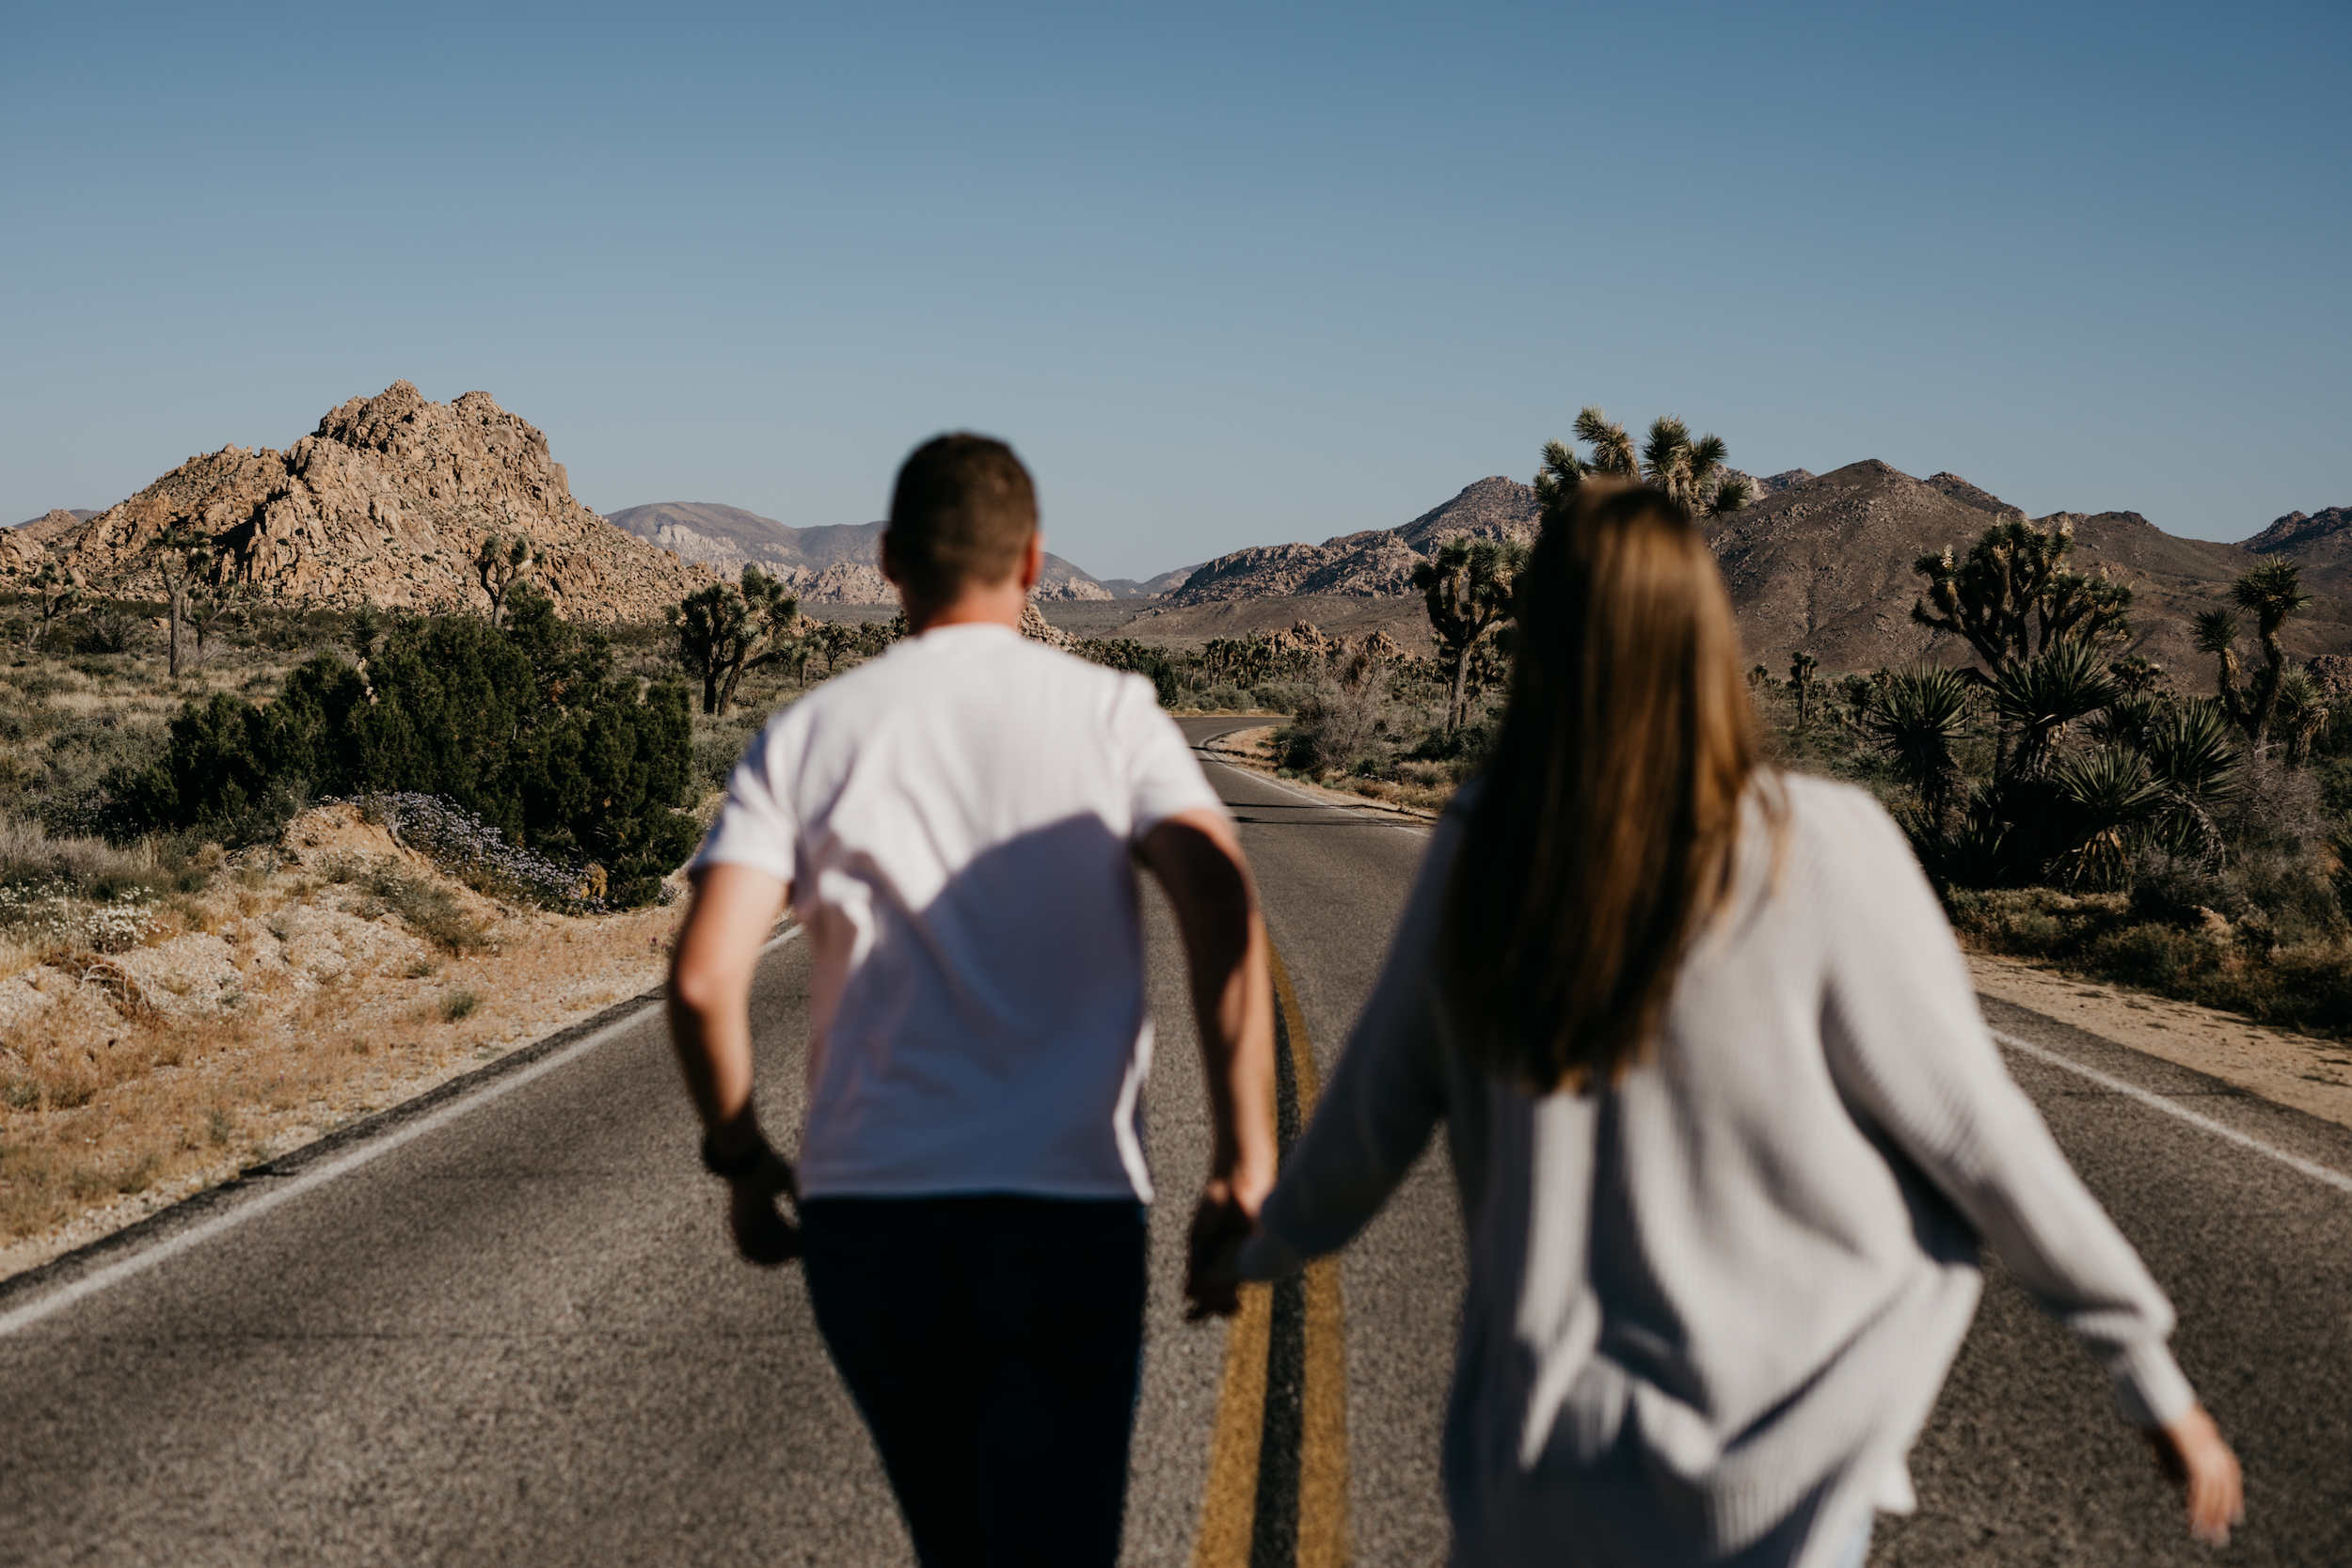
point(711, 969)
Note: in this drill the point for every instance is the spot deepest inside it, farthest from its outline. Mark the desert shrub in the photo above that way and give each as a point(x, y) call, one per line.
point(718, 744)
point(526, 728)
point(1339, 727)
point(1139, 658)
point(459, 1004)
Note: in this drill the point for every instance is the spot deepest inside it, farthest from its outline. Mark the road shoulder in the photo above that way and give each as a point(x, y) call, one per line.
point(2313, 1076)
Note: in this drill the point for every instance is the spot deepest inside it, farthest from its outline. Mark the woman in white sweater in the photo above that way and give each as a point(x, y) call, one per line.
point(1727, 1123)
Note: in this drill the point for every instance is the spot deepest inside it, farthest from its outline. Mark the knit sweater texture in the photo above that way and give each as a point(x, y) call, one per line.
point(1709, 1307)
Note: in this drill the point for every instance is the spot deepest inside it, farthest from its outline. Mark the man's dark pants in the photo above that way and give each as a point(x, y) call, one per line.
point(993, 1344)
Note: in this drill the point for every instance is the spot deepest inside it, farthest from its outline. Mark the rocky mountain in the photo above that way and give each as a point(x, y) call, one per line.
point(1825, 567)
point(1376, 563)
point(2322, 541)
point(385, 503)
point(823, 564)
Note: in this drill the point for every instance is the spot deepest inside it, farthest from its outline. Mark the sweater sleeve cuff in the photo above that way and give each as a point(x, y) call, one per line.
point(2150, 1390)
point(1267, 1256)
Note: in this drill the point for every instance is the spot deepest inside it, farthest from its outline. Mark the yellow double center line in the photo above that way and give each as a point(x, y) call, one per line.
point(1278, 1463)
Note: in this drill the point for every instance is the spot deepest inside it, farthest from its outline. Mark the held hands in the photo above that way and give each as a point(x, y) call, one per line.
point(1224, 1222)
point(2193, 1457)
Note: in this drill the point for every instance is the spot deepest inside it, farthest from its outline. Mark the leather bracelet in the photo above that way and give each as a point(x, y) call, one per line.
point(739, 1167)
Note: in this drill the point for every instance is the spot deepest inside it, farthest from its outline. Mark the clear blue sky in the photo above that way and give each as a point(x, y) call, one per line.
point(1225, 277)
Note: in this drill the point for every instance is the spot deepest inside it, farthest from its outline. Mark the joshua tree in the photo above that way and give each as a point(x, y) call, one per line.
point(2012, 598)
point(1691, 471)
point(1467, 589)
point(724, 631)
point(500, 565)
point(211, 608)
point(2302, 714)
point(2272, 592)
point(1802, 669)
point(1921, 713)
point(182, 558)
point(54, 593)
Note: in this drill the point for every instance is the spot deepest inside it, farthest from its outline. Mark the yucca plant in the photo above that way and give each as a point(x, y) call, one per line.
point(1919, 715)
point(2192, 750)
point(2110, 798)
point(2038, 698)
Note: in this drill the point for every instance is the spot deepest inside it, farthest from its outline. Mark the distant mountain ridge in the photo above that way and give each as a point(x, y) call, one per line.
point(1824, 563)
point(831, 563)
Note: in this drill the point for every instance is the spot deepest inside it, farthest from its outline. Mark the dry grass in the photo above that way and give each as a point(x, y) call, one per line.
point(280, 1003)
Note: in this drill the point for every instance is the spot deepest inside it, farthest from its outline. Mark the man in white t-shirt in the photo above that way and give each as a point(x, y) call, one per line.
point(957, 825)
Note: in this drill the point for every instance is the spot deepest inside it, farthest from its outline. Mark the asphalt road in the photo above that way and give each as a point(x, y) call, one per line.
point(506, 1328)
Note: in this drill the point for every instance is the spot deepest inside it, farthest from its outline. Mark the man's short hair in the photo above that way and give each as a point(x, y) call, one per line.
point(963, 511)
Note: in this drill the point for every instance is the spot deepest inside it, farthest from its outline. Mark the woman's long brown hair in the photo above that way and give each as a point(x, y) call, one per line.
point(1602, 838)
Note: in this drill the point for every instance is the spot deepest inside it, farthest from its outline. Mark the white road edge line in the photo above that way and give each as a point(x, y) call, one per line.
point(1207, 755)
point(2317, 1172)
point(196, 1235)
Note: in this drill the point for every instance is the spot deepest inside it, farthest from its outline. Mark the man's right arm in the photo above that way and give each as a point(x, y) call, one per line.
point(1198, 859)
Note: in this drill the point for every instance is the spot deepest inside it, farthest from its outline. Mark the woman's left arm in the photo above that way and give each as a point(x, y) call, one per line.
point(1383, 1098)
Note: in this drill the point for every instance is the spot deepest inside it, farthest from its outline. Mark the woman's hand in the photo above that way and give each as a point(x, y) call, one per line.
point(2193, 1457)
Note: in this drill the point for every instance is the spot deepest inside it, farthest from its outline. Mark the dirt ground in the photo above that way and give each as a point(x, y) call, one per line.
point(278, 1005)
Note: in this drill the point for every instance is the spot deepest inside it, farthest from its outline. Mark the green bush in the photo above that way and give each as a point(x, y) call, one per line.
point(526, 727)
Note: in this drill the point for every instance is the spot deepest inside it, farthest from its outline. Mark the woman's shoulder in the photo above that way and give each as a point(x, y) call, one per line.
point(1825, 819)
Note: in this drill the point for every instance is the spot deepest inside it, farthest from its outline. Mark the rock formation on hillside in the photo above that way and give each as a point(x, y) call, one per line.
point(1376, 563)
point(1494, 508)
point(825, 565)
point(1770, 485)
point(57, 520)
point(385, 503)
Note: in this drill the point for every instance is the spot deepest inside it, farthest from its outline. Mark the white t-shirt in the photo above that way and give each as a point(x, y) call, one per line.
point(956, 819)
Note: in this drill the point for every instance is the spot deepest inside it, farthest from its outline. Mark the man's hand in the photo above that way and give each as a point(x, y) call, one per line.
point(2194, 1458)
point(710, 1024)
point(762, 1234)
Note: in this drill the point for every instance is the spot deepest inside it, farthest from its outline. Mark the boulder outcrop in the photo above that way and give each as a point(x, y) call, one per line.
point(385, 503)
